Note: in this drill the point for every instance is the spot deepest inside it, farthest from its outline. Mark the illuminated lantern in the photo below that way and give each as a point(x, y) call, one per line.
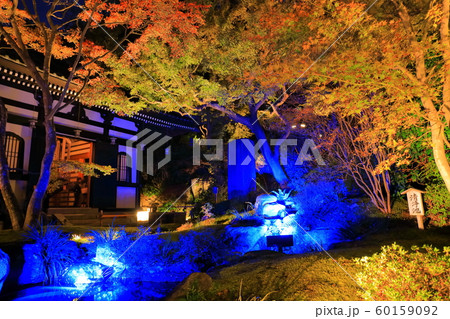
point(143, 215)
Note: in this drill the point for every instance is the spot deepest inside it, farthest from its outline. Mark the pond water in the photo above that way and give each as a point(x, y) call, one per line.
point(115, 291)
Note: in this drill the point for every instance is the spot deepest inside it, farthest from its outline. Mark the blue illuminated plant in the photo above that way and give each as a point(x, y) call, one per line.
point(207, 211)
point(54, 249)
point(282, 195)
point(109, 245)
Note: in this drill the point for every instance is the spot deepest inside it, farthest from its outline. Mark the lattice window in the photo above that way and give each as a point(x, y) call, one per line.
point(123, 171)
point(14, 152)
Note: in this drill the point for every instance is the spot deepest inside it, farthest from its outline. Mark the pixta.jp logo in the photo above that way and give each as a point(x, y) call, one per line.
point(144, 145)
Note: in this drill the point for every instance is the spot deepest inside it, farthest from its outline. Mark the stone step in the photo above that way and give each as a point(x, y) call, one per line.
point(73, 210)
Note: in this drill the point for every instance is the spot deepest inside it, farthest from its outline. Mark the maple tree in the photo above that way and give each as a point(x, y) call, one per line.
point(244, 63)
point(357, 152)
point(395, 62)
point(63, 30)
point(62, 171)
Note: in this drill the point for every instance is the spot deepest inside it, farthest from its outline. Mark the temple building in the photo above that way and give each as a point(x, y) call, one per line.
point(85, 133)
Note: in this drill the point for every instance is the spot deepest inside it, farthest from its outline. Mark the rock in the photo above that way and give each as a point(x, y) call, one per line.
point(4, 268)
point(271, 206)
point(201, 281)
point(33, 269)
point(263, 200)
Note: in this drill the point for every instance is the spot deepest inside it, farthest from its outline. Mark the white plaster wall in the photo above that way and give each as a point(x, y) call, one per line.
point(17, 95)
point(126, 197)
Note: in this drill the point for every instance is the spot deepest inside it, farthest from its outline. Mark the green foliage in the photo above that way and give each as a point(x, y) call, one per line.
point(54, 249)
point(437, 200)
point(397, 274)
point(237, 131)
point(151, 190)
point(194, 293)
point(245, 51)
point(61, 170)
point(207, 248)
point(400, 207)
point(248, 221)
point(154, 185)
point(109, 235)
point(168, 207)
point(422, 170)
point(437, 197)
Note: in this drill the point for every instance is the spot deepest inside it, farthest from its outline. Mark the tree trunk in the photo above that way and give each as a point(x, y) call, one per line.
point(252, 123)
point(12, 206)
point(434, 118)
point(437, 141)
point(439, 154)
point(269, 155)
point(35, 205)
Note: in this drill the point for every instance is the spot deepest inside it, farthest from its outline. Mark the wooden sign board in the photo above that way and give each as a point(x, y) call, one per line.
point(415, 204)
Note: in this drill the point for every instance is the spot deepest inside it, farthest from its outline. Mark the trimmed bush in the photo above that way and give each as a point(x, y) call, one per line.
point(397, 274)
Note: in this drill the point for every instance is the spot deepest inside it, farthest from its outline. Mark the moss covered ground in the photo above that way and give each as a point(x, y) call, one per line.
point(314, 276)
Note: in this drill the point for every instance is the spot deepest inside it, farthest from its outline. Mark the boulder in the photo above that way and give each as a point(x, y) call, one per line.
point(262, 201)
point(200, 281)
point(33, 269)
point(271, 206)
point(4, 267)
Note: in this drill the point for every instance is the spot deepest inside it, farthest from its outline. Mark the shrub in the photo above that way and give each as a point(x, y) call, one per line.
point(186, 226)
point(206, 212)
point(397, 274)
point(116, 238)
point(207, 222)
point(321, 205)
point(248, 220)
point(207, 248)
point(437, 200)
point(426, 174)
point(54, 250)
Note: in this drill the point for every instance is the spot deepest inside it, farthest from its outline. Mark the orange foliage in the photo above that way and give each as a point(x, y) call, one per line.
point(57, 37)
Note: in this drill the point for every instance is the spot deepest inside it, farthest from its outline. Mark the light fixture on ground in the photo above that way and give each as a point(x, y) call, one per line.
point(143, 215)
